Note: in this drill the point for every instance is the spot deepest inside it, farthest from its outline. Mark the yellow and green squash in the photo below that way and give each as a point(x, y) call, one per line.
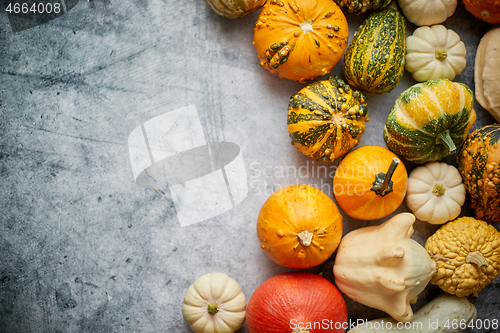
point(479, 165)
point(326, 119)
point(375, 59)
point(430, 120)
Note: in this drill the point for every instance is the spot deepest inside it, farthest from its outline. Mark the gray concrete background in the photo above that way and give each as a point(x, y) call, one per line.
point(82, 247)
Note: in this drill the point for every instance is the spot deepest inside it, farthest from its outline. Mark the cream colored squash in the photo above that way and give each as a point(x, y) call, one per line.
point(382, 267)
point(214, 303)
point(435, 192)
point(487, 72)
point(431, 318)
point(434, 53)
point(427, 12)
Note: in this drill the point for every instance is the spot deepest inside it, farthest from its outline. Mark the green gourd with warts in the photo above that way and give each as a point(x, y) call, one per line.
point(375, 59)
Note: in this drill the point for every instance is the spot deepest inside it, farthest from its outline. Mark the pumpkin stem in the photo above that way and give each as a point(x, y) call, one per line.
point(446, 139)
point(438, 190)
point(300, 330)
point(477, 258)
point(383, 183)
point(440, 54)
point(212, 309)
point(305, 237)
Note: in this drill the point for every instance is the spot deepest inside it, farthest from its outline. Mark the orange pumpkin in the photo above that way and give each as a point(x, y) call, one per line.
point(486, 10)
point(299, 226)
point(301, 39)
point(370, 183)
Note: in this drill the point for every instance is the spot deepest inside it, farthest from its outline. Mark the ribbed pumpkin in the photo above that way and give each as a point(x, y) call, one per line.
point(479, 165)
point(429, 120)
point(486, 10)
point(299, 226)
point(300, 40)
point(295, 302)
point(361, 6)
point(375, 59)
point(326, 119)
point(235, 8)
point(370, 183)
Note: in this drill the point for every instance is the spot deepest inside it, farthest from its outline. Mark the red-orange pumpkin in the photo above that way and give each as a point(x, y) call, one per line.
point(370, 183)
point(299, 226)
point(296, 302)
point(486, 10)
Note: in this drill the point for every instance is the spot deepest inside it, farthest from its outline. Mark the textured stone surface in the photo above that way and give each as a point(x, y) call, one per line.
point(82, 247)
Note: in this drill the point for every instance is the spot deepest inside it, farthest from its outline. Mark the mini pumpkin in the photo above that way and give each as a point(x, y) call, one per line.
point(234, 9)
point(300, 40)
point(467, 255)
point(430, 120)
point(433, 53)
point(299, 226)
point(326, 119)
point(427, 12)
point(479, 165)
point(486, 10)
point(370, 183)
point(435, 192)
point(214, 303)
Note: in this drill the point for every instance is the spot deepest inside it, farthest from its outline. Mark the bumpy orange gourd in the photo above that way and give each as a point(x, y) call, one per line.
point(301, 39)
point(299, 226)
point(486, 10)
point(370, 183)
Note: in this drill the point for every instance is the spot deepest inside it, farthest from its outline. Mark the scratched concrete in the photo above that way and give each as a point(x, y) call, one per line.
point(82, 247)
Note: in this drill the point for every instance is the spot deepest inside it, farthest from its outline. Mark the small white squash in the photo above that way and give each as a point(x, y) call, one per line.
point(435, 192)
point(427, 12)
point(214, 303)
point(433, 53)
point(382, 267)
point(487, 72)
point(433, 317)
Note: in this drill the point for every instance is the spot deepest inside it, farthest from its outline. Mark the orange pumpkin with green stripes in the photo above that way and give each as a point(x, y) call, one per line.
point(479, 165)
point(326, 119)
point(430, 120)
point(370, 183)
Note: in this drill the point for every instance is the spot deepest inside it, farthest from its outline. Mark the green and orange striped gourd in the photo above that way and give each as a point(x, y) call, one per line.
point(326, 119)
point(479, 165)
point(375, 59)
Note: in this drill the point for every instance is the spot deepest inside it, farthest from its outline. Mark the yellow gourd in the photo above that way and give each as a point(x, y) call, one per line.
point(467, 255)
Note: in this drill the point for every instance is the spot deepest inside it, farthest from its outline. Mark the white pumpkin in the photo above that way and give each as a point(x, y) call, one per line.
point(434, 53)
point(214, 303)
point(435, 192)
point(427, 12)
